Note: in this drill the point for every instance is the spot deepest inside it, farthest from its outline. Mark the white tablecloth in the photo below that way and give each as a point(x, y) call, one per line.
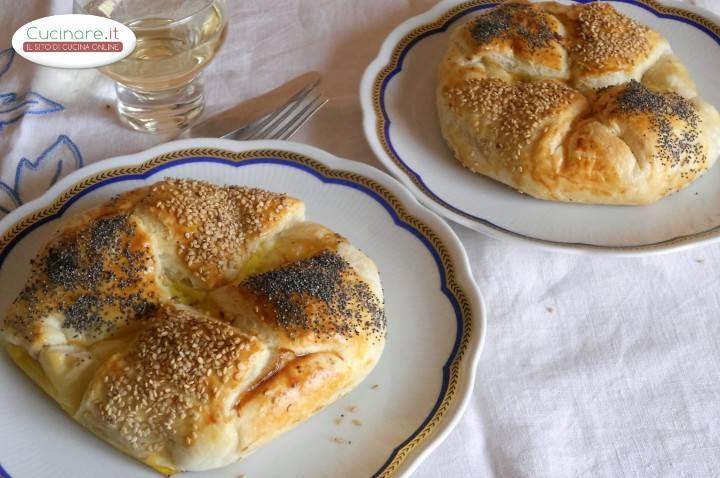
point(592, 366)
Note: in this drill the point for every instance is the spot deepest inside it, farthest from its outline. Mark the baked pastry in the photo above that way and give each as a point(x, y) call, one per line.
point(573, 103)
point(187, 324)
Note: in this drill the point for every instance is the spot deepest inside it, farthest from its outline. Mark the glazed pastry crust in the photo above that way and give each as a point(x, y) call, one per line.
point(187, 324)
point(573, 103)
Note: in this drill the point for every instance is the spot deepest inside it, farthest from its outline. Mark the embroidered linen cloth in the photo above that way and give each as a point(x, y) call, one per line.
point(592, 366)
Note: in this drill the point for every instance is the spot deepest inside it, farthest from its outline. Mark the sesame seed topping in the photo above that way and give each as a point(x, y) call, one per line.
point(157, 391)
point(217, 223)
point(606, 36)
point(518, 109)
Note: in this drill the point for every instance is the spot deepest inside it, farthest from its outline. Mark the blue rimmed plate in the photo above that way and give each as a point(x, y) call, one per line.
point(400, 122)
point(412, 399)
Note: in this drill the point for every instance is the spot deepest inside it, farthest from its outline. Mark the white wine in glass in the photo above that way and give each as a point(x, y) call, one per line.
point(158, 85)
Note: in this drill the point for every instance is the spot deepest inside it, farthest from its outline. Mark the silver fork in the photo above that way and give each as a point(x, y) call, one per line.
point(270, 116)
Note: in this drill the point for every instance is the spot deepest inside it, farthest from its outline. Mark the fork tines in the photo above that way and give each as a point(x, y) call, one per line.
point(285, 121)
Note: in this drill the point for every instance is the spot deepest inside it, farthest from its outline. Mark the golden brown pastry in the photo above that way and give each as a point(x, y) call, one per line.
point(573, 103)
point(187, 324)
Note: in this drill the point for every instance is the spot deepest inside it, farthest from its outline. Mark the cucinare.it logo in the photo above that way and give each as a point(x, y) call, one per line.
point(74, 41)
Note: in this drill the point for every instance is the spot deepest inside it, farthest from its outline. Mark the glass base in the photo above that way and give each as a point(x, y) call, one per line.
point(160, 111)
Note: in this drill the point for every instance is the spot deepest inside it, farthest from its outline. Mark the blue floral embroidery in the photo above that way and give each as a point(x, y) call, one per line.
point(58, 159)
point(6, 59)
point(61, 157)
point(12, 107)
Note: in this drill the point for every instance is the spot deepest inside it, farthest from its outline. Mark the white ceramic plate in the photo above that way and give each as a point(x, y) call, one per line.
point(400, 122)
point(435, 314)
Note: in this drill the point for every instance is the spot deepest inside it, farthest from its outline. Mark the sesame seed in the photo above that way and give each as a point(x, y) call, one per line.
point(518, 109)
point(163, 381)
point(605, 37)
point(218, 222)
